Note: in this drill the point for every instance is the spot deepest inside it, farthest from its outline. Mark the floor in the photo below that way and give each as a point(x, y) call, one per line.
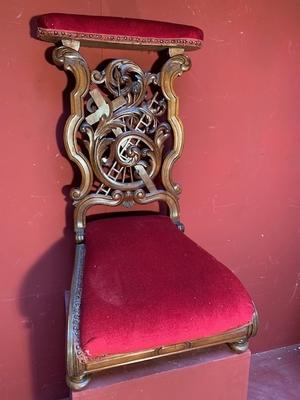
point(275, 374)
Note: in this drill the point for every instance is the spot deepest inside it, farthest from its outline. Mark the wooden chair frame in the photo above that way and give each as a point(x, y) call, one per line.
point(118, 143)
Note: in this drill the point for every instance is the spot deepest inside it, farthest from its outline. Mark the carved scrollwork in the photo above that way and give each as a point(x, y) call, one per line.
point(173, 68)
point(125, 78)
point(121, 119)
point(124, 134)
point(116, 155)
point(74, 62)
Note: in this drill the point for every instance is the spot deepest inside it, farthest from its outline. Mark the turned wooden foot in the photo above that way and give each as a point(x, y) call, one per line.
point(240, 346)
point(77, 382)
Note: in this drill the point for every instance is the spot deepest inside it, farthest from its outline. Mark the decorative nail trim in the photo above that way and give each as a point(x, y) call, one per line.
point(54, 36)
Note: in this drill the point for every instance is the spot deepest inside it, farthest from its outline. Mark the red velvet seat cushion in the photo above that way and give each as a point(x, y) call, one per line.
point(117, 31)
point(146, 284)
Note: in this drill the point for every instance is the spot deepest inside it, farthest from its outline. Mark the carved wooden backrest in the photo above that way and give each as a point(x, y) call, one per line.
point(124, 133)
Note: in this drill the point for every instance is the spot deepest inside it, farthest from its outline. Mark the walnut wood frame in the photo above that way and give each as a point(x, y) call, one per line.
point(79, 365)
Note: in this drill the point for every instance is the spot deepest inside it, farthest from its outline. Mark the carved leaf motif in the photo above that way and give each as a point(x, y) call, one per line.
point(124, 144)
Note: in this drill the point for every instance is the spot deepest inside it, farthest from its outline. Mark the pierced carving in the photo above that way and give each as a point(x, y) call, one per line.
point(124, 136)
point(121, 119)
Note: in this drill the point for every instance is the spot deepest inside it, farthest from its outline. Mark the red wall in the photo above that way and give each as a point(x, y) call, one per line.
point(240, 171)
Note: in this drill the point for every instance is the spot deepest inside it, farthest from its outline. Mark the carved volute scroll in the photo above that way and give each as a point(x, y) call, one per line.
point(171, 70)
point(74, 62)
point(123, 133)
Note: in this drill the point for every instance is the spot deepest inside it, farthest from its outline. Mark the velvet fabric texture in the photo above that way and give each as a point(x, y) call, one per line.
point(116, 30)
point(146, 284)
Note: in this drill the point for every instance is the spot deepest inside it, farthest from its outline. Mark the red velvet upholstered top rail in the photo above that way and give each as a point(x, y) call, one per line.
point(146, 285)
point(118, 32)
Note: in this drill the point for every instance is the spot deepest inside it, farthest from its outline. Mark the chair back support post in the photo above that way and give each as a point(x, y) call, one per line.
point(123, 133)
point(76, 359)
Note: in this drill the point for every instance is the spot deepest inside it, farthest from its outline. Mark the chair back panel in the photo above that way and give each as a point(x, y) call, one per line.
point(123, 133)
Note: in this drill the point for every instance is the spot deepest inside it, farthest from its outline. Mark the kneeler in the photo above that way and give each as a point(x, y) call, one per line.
point(141, 289)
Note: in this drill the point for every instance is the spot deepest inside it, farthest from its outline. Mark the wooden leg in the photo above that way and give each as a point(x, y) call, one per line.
point(77, 382)
point(240, 346)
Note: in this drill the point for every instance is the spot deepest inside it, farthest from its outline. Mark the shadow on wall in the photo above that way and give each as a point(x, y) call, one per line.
point(42, 291)
point(44, 311)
